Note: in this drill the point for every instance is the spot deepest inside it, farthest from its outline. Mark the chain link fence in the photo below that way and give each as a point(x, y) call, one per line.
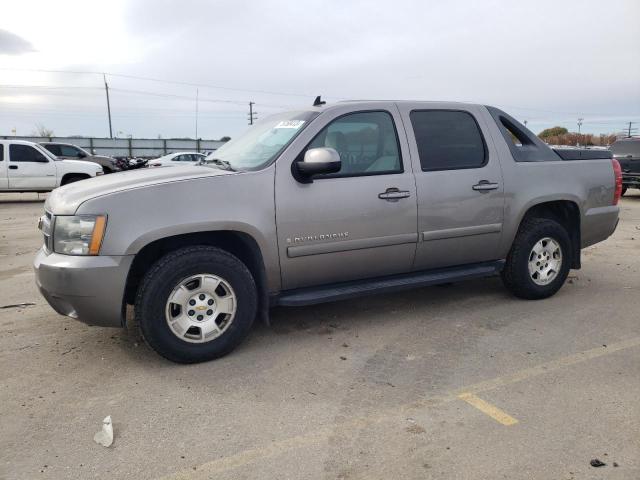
point(130, 147)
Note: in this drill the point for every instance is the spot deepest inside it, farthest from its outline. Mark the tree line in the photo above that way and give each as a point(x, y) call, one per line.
point(562, 136)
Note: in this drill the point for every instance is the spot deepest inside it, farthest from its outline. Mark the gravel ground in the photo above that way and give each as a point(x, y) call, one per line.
point(453, 382)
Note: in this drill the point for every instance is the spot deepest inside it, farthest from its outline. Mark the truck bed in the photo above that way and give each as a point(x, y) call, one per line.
point(580, 154)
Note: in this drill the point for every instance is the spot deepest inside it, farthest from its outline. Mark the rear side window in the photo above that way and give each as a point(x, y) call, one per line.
point(448, 140)
point(25, 153)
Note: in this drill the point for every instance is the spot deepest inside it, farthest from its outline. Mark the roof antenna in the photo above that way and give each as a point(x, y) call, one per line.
point(318, 102)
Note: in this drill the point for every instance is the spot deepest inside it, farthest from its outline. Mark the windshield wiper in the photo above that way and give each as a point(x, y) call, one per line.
point(221, 163)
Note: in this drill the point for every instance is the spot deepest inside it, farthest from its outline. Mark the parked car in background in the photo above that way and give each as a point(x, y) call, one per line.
point(627, 152)
point(68, 151)
point(319, 205)
point(136, 162)
point(29, 167)
point(177, 158)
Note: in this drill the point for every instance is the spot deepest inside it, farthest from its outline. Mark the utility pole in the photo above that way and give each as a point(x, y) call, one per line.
point(252, 115)
point(196, 113)
point(106, 89)
point(579, 126)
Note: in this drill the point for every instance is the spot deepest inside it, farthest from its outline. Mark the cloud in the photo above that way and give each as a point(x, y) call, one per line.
point(12, 44)
point(543, 61)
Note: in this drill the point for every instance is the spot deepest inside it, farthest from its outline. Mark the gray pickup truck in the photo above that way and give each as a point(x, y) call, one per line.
point(323, 204)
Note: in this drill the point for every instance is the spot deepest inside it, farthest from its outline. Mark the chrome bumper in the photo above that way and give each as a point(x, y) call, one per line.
point(89, 289)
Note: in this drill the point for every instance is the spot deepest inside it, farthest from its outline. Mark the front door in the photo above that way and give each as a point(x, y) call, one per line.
point(359, 222)
point(30, 169)
point(459, 182)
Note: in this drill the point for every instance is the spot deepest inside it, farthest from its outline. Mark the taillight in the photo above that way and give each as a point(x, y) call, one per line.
point(617, 172)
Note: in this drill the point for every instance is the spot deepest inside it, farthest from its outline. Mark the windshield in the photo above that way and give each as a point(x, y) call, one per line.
point(262, 143)
point(46, 152)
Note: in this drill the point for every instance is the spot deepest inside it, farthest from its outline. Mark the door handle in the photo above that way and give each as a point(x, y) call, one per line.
point(392, 194)
point(485, 186)
point(13, 167)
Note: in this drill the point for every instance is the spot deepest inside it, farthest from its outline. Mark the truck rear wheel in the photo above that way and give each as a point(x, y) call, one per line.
point(196, 304)
point(539, 260)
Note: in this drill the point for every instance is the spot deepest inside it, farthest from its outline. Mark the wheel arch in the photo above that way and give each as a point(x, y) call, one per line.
point(68, 176)
point(564, 211)
point(238, 243)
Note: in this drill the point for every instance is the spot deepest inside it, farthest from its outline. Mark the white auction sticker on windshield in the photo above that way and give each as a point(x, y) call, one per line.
point(290, 124)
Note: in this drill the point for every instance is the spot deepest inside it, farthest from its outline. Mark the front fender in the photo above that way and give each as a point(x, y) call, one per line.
point(242, 203)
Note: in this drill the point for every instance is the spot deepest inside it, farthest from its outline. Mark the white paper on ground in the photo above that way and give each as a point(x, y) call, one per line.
point(105, 436)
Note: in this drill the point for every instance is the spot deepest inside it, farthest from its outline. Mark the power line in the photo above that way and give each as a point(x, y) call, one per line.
point(151, 79)
point(141, 92)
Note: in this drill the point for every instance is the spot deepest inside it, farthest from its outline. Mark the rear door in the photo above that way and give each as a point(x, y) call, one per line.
point(30, 169)
point(459, 185)
point(359, 222)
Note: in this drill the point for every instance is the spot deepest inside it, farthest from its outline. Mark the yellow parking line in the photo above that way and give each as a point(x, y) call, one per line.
point(485, 407)
point(319, 436)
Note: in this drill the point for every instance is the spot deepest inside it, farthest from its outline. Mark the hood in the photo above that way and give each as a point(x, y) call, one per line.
point(66, 200)
point(80, 162)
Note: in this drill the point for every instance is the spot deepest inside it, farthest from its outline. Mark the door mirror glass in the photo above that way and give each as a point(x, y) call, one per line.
point(318, 161)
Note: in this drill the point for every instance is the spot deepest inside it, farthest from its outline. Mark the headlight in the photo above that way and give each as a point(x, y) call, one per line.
point(78, 234)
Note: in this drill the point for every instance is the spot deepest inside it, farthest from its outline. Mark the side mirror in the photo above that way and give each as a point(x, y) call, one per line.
point(319, 161)
point(81, 154)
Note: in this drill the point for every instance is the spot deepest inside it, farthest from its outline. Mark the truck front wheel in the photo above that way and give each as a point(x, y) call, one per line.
point(539, 260)
point(196, 304)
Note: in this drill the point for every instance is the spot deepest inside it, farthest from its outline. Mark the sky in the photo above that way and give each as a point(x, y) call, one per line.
point(546, 62)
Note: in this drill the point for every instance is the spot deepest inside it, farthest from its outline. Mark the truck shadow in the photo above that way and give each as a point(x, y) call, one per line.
point(364, 312)
point(301, 325)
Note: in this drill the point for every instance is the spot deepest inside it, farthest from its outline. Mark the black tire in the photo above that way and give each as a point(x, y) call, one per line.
point(72, 178)
point(166, 274)
point(623, 191)
point(515, 274)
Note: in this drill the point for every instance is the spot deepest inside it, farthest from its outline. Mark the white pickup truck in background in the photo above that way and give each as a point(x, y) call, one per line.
point(28, 167)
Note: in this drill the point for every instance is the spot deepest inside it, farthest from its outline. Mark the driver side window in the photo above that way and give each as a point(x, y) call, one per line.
point(366, 141)
point(25, 153)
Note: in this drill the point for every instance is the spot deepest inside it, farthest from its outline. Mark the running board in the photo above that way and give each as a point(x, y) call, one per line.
point(369, 286)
